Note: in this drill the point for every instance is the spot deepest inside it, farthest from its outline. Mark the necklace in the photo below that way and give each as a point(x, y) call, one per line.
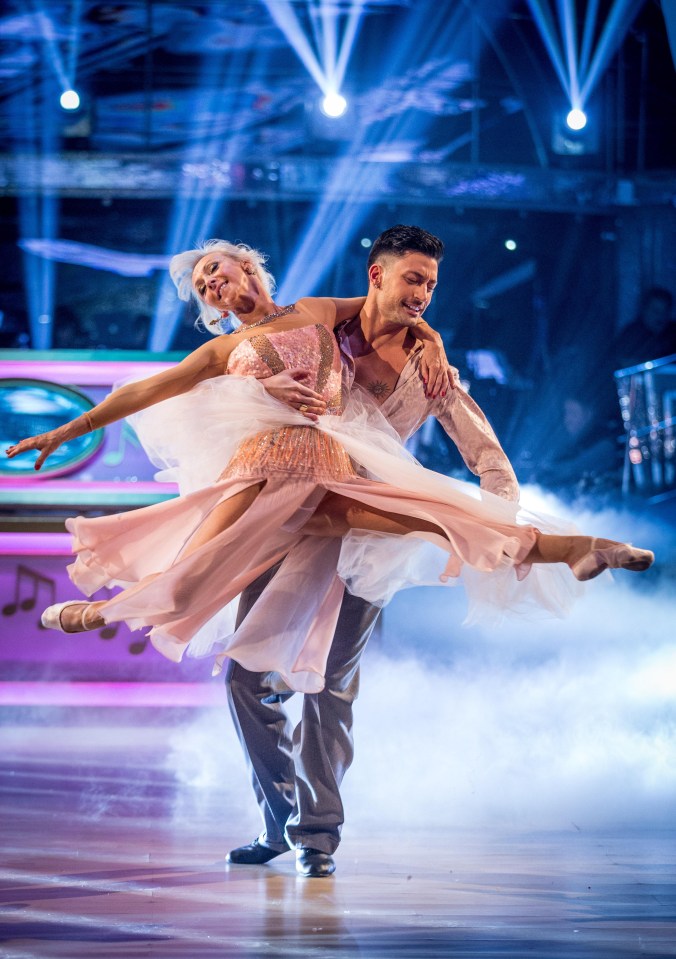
point(266, 319)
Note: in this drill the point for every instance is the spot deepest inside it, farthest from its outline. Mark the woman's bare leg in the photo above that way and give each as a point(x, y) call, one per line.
point(336, 515)
point(585, 555)
point(549, 548)
point(79, 617)
point(221, 517)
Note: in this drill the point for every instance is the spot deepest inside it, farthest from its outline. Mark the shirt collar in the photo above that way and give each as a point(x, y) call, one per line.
point(343, 332)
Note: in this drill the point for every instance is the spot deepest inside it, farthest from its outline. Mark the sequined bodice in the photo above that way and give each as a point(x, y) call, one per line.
point(310, 348)
point(298, 450)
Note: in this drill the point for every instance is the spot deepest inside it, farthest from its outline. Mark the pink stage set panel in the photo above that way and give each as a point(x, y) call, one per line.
point(107, 472)
point(37, 394)
point(33, 575)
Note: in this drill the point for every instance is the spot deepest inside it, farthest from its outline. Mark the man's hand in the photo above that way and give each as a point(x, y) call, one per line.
point(435, 369)
point(288, 387)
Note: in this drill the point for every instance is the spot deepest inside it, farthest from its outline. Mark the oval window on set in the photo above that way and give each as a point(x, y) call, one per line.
point(29, 407)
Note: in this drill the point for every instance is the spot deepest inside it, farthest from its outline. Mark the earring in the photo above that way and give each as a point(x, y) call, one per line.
point(218, 319)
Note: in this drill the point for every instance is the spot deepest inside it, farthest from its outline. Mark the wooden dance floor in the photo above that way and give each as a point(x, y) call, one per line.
point(107, 854)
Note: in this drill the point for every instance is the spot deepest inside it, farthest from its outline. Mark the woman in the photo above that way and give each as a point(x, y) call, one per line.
point(290, 489)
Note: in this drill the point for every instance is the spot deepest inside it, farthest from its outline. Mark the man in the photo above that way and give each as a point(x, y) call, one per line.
point(297, 773)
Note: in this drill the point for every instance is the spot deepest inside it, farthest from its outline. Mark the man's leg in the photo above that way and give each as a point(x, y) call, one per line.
point(256, 705)
point(322, 742)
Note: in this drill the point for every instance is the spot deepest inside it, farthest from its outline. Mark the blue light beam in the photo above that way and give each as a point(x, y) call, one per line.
point(590, 17)
point(545, 25)
point(615, 28)
point(283, 14)
point(345, 204)
point(569, 27)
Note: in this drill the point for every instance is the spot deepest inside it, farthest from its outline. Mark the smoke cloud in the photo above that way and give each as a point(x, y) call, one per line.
point(530, 725)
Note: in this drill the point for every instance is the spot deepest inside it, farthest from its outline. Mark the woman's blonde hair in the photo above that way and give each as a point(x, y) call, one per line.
point(182, 265)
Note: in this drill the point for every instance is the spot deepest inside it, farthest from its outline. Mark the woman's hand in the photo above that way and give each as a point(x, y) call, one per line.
point(435, 369)
point(288, 387)
point(46, 443)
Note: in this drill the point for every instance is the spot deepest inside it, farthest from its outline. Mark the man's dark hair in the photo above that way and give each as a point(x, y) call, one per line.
point(400, 240)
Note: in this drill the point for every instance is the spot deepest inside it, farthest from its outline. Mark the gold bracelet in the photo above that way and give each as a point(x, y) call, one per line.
point(88, 418)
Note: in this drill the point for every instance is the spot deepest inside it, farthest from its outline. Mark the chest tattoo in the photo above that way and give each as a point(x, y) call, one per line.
point(378, 389)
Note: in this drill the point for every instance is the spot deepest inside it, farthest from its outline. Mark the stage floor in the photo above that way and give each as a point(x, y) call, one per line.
point(107, 853)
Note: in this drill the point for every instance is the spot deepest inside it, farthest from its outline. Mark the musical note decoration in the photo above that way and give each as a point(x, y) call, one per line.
point(115, 456)
point(138, 646)
point(32, 589)
point(28, 584)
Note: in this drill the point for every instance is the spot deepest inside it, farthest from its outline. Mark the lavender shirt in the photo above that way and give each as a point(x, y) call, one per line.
point(407, 408)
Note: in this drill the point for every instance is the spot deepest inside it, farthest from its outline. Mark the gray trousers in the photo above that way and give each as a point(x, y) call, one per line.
point(296, 773)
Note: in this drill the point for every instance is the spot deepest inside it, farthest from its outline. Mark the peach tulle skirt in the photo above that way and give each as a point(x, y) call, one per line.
point(187, 599)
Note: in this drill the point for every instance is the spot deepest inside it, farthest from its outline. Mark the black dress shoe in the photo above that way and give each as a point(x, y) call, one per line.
point(255, 854)
point(314, 863)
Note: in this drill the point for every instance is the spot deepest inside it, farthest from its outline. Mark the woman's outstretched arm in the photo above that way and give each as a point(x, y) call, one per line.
point(206, 361)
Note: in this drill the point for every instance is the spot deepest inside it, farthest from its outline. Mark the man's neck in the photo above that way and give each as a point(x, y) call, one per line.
point(378, 331)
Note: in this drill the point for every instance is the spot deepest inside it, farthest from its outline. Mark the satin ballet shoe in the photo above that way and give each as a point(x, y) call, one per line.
point(618, 556)
point(51, 618)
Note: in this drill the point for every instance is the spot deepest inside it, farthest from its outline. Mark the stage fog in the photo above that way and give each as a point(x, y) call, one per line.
point(532, 724)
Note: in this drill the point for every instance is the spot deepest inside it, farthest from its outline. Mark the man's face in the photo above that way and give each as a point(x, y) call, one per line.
point(404, 286)
point(224, 283)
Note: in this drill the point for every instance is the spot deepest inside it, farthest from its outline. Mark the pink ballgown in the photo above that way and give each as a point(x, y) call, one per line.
point(227, 434)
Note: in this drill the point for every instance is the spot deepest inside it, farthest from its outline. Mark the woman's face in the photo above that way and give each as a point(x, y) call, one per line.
point(225, 284)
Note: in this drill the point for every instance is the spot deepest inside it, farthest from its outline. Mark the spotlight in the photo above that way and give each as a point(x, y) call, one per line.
point(365, 242)
point(576, 119)
point(573, 134)
point(510, 245)
point(334, 105)
point(69, 100)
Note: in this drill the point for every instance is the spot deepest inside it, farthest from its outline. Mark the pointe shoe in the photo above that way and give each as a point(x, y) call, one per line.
point(617, 556)
point(51, 618)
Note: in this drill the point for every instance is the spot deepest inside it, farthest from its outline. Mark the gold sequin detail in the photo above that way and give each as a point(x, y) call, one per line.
point(302, 450)
point(334, 405)
point(267, 353)
point(325, 358)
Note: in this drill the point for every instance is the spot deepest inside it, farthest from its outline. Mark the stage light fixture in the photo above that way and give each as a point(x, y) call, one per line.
point(576, 119)
point(69, 100)
point(365, 242)
point(334, 105)
point(510, 245)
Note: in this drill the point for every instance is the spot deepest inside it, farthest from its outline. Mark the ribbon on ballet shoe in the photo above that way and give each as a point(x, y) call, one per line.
point(616, 556)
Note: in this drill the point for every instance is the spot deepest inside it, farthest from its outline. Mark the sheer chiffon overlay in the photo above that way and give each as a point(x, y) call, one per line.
point(227, 434)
